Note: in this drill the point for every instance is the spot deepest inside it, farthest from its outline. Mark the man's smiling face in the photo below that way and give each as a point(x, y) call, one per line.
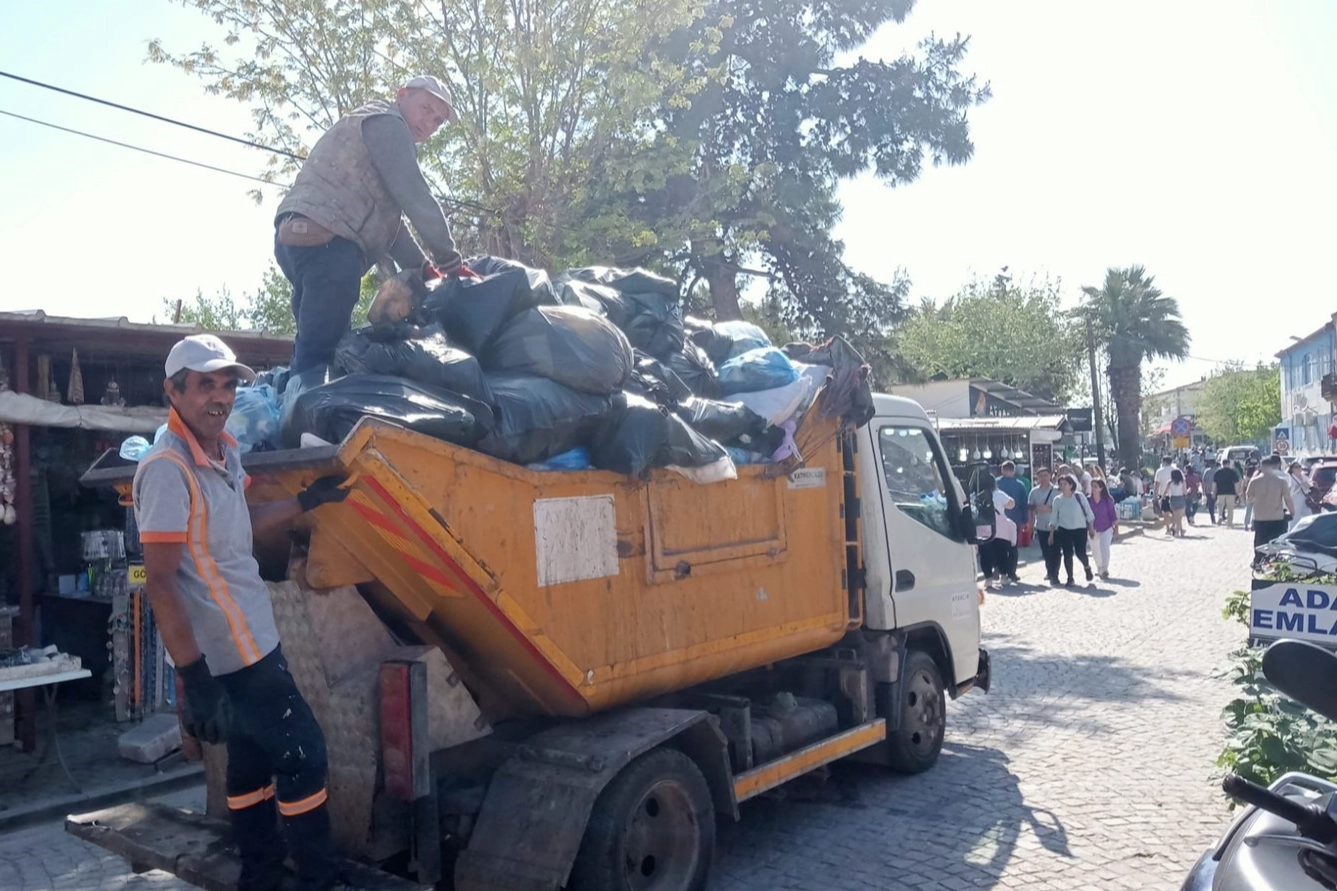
point(205, 401)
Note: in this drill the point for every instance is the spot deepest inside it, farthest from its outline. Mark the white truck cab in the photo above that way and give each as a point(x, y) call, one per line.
point(920, 572)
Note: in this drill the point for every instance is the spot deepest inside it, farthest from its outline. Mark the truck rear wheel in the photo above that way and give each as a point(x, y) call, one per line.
point(913, 747)
point(652, 829)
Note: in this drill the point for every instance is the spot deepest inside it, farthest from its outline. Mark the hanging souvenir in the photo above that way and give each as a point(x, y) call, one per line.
point(75, 394)
point(113, 395)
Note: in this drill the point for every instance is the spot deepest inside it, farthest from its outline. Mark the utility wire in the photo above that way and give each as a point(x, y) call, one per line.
point(139, 148)
point(149, 114)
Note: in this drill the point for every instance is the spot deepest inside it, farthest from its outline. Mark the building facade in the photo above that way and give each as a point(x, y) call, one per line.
point(1308, 388)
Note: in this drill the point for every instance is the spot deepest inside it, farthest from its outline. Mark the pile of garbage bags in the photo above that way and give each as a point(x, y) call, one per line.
point(593, 368)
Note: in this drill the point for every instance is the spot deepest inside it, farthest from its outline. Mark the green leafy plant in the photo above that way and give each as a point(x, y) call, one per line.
point(1268, 734)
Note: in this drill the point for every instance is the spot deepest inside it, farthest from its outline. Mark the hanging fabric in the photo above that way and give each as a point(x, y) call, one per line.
point(75, 394)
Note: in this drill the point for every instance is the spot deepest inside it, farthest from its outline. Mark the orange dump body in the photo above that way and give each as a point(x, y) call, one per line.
point(566, 593)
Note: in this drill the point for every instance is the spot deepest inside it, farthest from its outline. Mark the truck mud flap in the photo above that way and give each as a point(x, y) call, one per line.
point(537, 805)
point(193, 847)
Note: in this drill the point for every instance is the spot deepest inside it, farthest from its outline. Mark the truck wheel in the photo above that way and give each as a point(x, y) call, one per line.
point(652, 829)
point(914, 746)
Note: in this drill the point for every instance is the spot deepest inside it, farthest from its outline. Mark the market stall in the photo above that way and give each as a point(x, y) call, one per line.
point(974, 445)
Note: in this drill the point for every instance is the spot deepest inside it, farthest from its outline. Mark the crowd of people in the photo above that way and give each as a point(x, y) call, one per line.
point(1072, 510)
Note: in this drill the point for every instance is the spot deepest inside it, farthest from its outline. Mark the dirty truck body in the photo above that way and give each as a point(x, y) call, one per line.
point(640, 656)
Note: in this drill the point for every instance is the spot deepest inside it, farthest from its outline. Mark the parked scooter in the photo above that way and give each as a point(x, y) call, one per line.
point(1310, 548)
point(1286, 839)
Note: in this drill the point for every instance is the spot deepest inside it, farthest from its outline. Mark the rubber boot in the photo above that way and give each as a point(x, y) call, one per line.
point(256, 831)
point(312, 848)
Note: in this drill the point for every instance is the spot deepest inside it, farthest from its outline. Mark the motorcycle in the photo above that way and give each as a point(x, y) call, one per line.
point(1286, 839)
point(1310, 548)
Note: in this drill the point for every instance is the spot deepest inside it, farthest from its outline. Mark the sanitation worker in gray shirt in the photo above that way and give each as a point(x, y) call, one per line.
point(345, 213)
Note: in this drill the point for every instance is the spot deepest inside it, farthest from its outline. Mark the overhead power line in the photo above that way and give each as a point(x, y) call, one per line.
point(149, 114)
point(139, 148)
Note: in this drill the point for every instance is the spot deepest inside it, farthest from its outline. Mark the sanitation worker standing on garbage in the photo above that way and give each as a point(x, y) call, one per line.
point(345, 213)
point(217, 621)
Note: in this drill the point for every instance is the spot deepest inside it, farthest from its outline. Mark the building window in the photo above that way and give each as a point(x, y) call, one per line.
point(1307, 368)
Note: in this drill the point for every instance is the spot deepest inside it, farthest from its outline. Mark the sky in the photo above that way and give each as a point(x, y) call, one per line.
point(1196, 138)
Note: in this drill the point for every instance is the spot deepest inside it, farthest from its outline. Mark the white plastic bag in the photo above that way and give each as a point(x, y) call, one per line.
point(714, 472)
point(778, 404)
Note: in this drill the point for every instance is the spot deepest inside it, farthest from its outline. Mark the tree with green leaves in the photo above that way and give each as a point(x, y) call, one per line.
point(1010, 332)
point(1135, 321)
point(1240, 404)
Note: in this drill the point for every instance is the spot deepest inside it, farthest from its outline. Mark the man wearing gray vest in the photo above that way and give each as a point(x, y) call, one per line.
point(345, 213)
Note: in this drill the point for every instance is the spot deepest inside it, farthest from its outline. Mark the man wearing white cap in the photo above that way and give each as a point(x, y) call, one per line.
point(344, 213)
point(217, 622)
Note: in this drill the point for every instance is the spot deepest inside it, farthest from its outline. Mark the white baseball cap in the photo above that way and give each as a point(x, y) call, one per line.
point(434, 86)
point(204, 353)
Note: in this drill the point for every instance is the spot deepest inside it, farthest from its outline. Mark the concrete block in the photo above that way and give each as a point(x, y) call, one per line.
point(156, 736)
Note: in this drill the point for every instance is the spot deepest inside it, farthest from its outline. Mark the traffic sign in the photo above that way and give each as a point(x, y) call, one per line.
point(1181, 426)
point(1281, 446)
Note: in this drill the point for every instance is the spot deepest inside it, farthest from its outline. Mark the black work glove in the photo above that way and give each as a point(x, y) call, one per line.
point(206, 712)
point(325, 490)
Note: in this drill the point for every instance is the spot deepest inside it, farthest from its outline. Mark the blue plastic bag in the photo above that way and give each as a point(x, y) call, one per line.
point(744, 336)
point(572, 459)
point(760, 369)
point(135, 448)
point(255, 418)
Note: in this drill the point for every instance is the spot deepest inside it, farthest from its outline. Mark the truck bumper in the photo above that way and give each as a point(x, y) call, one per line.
point(983, 675)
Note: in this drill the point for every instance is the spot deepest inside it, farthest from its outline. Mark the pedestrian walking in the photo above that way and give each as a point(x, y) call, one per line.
point(1073, 525)
point(1269, 493)
point(1085, 476)
point(1192, 493)
point(1041, 510)
point(997, 534)
point(1208, 492)
point(1250, 471)
point(1226, 484)
point(1160, 492)
point(1299, 493)
point(1106, 524)
point(1017, 513)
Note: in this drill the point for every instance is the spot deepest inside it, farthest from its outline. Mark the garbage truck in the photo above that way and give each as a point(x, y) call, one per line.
point(541, 680)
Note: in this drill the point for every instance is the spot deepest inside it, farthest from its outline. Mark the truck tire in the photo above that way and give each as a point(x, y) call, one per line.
point(652, 829)
point(913, 747)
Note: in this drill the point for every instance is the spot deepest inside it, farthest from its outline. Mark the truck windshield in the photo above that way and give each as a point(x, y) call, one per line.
point(914, 477)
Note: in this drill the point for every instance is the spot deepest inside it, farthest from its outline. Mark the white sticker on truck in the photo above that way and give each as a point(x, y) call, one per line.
point(962, 603)
point(575, 538)
point(808, 478)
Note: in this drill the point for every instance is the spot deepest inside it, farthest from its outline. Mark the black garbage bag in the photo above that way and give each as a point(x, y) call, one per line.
point(625, 281)
point(631, 438)
point(544, 294)
point(331, 410)
point(420, 354)
point(694, 368)
point(290, 434)
point(724, 340)
point(647, 307)
point(568, 344)
point(473, 311)
point(652, 379)
point(591, 296)
point(727, 422)
point(850, 385)
point(538, 418)
point(641, 435)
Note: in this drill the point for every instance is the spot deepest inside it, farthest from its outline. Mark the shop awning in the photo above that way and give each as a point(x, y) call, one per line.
point(16, 408)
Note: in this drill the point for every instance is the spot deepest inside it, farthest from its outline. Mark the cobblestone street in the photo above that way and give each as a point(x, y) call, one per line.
point(1089, 766)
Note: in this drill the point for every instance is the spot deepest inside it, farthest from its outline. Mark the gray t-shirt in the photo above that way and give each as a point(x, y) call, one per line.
point(1041, 497)
point(182, 496)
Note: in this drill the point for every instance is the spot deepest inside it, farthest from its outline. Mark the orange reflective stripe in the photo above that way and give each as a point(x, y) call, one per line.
point(197, 543)
point(310, 803)
point(239, 802)
point(162, 537)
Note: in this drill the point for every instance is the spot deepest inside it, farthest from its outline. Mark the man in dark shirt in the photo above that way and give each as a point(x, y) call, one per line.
point(345, 210)
point(1225, 484)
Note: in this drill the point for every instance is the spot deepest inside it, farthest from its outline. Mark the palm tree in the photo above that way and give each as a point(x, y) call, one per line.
point(1136, 322)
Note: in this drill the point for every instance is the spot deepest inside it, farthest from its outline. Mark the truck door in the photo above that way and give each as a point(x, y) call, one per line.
point(931, 565)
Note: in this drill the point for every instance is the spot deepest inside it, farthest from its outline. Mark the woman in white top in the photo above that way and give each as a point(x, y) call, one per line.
point(1299, 492)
